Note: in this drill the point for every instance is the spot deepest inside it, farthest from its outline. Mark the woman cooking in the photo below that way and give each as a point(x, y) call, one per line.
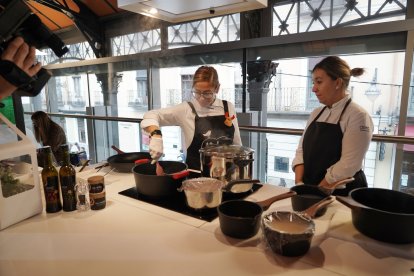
point(203, 117)
point(337, 135)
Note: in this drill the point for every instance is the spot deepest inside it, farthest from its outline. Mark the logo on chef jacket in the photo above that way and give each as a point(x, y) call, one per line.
point(364, 128)
point(207, 134)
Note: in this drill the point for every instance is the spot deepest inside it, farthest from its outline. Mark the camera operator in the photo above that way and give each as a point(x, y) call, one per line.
point(23, 56)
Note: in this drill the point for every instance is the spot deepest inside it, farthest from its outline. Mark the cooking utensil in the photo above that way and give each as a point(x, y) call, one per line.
point(203, 192)
point(241, 218)
point(382, 214)
point(227, 163)
point(124, 162)
point(84, 165)
point(148, 183)
point(290, 233)
point(307, 195)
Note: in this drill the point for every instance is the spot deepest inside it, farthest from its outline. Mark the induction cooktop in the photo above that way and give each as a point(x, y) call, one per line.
point(178, 203)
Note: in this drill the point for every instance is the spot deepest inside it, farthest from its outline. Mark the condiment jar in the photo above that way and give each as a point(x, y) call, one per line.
point(97, 192)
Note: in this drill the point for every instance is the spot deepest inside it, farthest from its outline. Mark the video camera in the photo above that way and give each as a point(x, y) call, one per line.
point(16, 19)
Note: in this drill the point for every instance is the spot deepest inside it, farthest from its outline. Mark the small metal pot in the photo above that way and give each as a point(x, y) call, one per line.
point(228, 163)
point(203, 192)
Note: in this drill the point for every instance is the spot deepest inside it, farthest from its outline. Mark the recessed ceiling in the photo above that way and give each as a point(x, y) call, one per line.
point(185, 10)
point(56, 20)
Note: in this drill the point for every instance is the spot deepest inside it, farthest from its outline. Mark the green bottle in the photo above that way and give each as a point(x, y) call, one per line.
point(50, 179)
point(67, 177)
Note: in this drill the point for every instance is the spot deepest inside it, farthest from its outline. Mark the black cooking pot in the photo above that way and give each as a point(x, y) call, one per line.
point(150, 184)
point(382, 214)
point(306, 196)
point(290, 233)
point(241, 218)
point(124, 161)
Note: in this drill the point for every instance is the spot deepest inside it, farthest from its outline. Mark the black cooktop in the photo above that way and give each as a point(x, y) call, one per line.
point(179, 205)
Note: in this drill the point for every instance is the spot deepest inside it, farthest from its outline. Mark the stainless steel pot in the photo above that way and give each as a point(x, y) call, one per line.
point(228, 163)
point(203, 192)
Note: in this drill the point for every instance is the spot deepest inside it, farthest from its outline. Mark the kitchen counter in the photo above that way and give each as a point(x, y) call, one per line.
point(131, 237)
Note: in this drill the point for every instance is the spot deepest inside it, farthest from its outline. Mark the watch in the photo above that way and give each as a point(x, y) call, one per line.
point(157, 131)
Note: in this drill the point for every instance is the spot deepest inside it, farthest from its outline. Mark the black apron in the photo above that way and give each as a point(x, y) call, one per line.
point(203, 125)
point(322, 147)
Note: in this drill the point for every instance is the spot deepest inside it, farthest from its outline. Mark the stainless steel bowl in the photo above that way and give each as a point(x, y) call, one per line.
point(203, 192)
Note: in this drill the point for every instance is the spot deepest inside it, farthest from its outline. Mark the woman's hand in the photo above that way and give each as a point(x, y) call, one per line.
point(156, 147)
point(24, 57)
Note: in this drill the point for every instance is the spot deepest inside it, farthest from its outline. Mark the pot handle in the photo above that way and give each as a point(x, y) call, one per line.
point(349, 202)
point(180, 175)
point(311, 211)
point(142, 161)
point(231, 183)
point(117, 149)
point(265, 204)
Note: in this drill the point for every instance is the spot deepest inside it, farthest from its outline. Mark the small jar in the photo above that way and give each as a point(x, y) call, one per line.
point(97, 192)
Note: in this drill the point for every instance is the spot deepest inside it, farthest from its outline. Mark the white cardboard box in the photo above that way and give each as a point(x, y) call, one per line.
point(22, 154)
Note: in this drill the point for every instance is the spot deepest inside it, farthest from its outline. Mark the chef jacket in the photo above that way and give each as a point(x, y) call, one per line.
point(182, 115)
point(357, 128)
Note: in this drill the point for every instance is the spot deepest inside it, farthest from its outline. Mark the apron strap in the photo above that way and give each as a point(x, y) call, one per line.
point(193, 108)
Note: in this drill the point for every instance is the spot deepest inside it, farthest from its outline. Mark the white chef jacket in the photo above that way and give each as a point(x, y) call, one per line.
point(182, 115)
point(357, 128)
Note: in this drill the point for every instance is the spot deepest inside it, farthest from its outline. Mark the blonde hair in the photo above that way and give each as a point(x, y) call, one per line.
point(206, 74)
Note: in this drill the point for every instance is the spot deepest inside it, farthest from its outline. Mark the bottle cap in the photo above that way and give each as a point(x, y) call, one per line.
point(96, 179)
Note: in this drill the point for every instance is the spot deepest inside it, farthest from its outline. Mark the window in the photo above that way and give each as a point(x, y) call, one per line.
point(281, 164)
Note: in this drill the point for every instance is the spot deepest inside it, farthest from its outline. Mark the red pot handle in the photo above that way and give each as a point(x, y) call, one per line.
point(180, 175)
point(142, 161)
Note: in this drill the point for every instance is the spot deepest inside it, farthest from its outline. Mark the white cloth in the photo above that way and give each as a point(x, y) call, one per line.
point(357, 128)
point(156, 148)
point(182, 115)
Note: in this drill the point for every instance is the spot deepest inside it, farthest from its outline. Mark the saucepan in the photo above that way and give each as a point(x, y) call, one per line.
point(148, 183)
point(204, 193)
point(227, 163)
point(241, 218)
point(382, 214)
point(307, 195)
point(290, 233)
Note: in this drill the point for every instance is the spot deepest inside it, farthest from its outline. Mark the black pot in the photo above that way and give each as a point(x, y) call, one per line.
point(150, 184)
point(241, 218)
point(290, 233)
point(382, 214)
point(306, 196)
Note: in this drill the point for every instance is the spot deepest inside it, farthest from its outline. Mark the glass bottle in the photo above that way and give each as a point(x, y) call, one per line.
point(82, 196)
point(67, 177)
point(50, 179)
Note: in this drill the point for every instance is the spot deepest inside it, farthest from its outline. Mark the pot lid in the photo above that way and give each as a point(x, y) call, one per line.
point(228, 151)
point(202, 184)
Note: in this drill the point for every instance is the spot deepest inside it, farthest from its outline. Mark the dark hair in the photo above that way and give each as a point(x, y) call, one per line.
point(43, 125)
point(336, 67)
point(206, 74)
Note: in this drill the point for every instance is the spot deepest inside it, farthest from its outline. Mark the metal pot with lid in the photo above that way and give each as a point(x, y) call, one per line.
point(228, 163)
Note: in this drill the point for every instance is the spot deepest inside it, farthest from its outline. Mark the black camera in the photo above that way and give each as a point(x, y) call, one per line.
point(16, 19)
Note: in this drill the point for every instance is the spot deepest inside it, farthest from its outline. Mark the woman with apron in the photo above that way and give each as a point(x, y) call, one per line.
point(337, 135)
point(204, 117)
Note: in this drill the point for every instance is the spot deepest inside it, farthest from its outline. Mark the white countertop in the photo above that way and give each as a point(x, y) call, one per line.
point(131, 237)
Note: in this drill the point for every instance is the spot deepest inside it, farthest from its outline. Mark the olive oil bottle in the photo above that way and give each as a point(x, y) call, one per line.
point(50, 179)
point(67, 177)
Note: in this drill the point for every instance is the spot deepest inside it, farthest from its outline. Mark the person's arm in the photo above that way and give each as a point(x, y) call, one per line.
point(299, 171)
point(22, 55)
point(357, 136)
point(232, 111)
